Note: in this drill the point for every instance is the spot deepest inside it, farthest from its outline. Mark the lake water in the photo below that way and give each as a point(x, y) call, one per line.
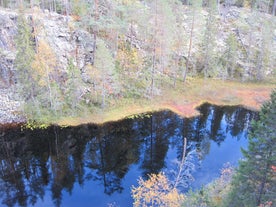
point(96, 165)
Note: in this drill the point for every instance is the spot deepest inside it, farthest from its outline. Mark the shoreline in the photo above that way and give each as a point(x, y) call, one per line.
point(183, 100)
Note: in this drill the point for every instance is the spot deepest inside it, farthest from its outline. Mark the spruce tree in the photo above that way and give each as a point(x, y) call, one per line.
point(103, 72)
point(209, 43)
point(25, 55)
point(255, 181)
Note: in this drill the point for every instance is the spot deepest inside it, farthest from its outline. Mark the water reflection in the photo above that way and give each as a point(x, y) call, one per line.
point(39, 164)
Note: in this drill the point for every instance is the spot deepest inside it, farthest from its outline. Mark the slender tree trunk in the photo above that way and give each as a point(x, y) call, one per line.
point(208, 43)
point(49, 88)
point(154, 51)
point(153, 70)
point(206, 60)
point(67, 10)
point(260, 61)
point(151, 141)
point(55, 5)
point(177, 180)
point(94, 45)
point(176, 61)
point(116, 43)
point(95, 30)
point(103, 94)
point(190, 48)
point(34, 33)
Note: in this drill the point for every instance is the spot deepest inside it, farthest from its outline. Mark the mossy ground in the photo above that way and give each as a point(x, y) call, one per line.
point(183, 100)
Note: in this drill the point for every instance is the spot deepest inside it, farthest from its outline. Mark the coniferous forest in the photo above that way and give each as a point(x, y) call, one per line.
point(66, 58)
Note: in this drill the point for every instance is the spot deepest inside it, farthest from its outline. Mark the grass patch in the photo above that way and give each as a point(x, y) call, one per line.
point(183, 100)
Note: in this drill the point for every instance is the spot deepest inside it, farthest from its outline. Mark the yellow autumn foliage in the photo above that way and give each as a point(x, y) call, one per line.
point(44, 63)
point(128, 57)
point(156, 191)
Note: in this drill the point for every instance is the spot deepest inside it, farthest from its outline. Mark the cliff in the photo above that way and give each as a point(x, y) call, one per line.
point(235, 43)
point(67, 43)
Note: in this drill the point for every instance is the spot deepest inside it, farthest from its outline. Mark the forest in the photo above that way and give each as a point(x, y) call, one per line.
point(77, 57)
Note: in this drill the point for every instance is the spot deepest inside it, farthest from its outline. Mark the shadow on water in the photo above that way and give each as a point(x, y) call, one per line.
point(93, 165)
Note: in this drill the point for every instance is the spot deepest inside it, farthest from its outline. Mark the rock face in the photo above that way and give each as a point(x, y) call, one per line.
point(7, 47)
point(68, 43)
point(58, 31)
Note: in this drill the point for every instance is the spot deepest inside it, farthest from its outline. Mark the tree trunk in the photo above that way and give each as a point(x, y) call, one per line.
point(49, 88)
point(103, 94)
point(181, 165)
point(190, 48)
point(95, 30)
point(176, 62)
point(94, 46)
point(154, 52)
point(153, 71)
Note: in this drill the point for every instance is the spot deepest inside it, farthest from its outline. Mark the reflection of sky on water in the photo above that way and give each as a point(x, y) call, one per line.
point(228, 151)
point(93, 165)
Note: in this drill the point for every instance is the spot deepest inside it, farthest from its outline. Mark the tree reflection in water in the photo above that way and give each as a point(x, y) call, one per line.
point(36, 161)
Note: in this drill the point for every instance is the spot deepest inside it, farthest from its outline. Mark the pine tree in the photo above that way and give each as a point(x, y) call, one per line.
point(231, 56)
point(196, 4)
point(255, 181)
point(209, 43)
point(160, 41)
point(25, 46)
point(103, 72)
point(71, 103)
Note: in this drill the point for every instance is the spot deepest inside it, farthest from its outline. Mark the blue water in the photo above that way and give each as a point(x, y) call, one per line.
point(92, 165)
